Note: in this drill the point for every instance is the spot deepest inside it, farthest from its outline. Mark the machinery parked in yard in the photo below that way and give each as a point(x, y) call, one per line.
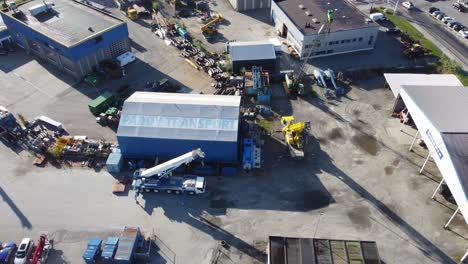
point(295, 136)
point(158, 179)
point(93, 250)
point(43, 247)
point(210, 27)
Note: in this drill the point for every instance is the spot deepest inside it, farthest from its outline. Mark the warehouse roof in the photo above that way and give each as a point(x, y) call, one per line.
point(180, 116)
point(252, 50)
point(346, 16)
point(69, 23)
point(291, 250)
point(397, 80)
point(444, 108)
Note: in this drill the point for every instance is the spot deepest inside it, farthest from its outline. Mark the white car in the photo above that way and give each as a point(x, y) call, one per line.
point(408, 5)
point(463, 33)
point(447, 19)
point(440, 16)
point(24, 251)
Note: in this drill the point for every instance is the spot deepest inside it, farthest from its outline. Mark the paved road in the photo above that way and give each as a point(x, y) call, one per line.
point(457, 46)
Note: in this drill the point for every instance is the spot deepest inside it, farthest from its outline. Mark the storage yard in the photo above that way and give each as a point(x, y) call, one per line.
point(169, 156)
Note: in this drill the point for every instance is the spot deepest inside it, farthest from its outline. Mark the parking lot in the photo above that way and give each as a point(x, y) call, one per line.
point(358, 182)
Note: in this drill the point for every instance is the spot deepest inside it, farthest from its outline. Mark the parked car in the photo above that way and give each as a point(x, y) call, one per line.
point(24, 250)
point(459, 6)
point(458, 27)
point(440, 16)
point(452, 23)
point(436, 13)
point(6, 252)
point(408, 5)
point(393, 30)
point(433, 9)
point(463, 33)
point(447, 19)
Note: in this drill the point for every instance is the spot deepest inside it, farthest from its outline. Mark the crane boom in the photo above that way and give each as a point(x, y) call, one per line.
point(165, 168)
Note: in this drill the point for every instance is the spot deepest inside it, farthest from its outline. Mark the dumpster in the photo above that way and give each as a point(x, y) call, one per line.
point(109, 249)
point(101, 103)
point(114, 162)
point(93, 250)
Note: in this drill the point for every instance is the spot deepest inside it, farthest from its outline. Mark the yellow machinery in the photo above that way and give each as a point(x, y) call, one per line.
point(209, 28)
point(132, 13)
point(295, 135)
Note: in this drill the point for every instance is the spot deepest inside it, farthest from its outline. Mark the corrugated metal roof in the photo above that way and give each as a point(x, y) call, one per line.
point(445, 106)
point(252, 50)
point(396, 80)
point(180, 116)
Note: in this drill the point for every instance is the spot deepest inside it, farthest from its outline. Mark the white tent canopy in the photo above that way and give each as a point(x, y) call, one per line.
point(396, 80)
point(440, 114)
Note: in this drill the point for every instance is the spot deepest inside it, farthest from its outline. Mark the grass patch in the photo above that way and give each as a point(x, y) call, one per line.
point(445, 65)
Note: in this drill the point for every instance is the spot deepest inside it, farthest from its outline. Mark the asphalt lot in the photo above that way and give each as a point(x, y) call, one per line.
point(358, 181)
point(448, 40)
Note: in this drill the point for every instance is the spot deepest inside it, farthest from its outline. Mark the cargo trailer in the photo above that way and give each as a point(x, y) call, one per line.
point(128, 242)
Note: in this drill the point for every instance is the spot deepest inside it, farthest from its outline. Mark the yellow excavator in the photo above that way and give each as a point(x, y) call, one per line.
point(295, 135)
point(209, 28)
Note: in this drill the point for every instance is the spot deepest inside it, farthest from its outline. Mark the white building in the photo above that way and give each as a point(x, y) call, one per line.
point(299, 22)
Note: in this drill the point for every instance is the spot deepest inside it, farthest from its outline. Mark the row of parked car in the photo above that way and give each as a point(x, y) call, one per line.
point(20, 253)
point(449, 21)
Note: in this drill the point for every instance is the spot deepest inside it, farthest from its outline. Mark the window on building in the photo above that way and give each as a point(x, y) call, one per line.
point(360, 39)
point(330, 43)
point(329, 51)
point(371, 38)
point(354, 39)
point(342, 41)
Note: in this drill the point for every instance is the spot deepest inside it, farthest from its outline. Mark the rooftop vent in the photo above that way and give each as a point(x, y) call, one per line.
point(308, 13)
point(301, 7)
point(343, 17)
point(315, 21)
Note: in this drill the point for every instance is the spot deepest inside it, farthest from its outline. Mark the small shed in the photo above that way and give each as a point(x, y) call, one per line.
point(245, 54)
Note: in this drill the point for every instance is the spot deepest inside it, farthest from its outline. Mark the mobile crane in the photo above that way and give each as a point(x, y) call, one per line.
point(158, 178)
point(295, 136)
point(209, 28)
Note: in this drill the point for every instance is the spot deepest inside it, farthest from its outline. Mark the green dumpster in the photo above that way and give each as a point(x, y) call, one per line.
point(101, 103)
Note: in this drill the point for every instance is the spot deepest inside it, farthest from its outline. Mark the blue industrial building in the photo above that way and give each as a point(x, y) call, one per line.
point(69, 34)
point(166, 125)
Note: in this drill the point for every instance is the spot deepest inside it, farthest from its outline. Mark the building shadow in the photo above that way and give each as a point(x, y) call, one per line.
point(422, 243)
point(262, 15)
point(23, 219)
point(14, 60)
point(137, 46)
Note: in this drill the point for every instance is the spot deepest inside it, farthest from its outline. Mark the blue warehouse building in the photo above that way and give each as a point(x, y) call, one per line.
point(69, 34)
point(167, 125)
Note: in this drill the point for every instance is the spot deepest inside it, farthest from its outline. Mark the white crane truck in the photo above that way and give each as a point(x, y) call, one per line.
point(158, 179)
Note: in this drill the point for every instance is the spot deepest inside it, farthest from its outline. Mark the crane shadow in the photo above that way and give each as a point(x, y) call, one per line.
point(24, 220)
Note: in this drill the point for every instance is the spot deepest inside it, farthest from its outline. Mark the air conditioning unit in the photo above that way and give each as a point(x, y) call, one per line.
point(301, 7)
point(308, 13)
point(40, 8)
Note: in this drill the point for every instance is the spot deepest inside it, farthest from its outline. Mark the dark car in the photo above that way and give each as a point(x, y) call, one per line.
point(7, 252)
point(458, 27)
point(460, 7)
point(393, 30)
point(433, 9)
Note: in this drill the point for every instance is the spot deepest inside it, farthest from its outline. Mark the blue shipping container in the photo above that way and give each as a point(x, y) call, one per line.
point(127, 245)
point(93, 250)
point(115, 162)
point(109, 249)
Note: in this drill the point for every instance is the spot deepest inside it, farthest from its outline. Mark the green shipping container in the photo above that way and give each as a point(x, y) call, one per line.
point(102, 103)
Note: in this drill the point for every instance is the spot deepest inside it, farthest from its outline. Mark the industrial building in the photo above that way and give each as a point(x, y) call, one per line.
point(166, 125)
point(245, 54)
point(244, 5)
point(299, 22)
point(69, 34)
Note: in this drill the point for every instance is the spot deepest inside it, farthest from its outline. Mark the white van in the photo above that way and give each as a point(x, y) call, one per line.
point(126, 58)
point(377, 16)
